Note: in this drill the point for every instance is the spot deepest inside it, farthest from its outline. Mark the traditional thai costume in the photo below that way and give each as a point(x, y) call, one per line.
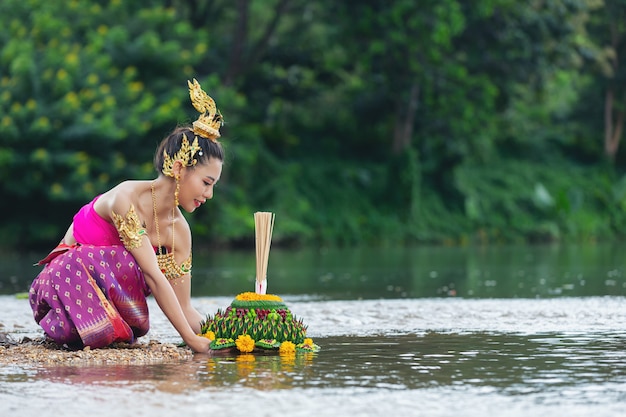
point(92, 293)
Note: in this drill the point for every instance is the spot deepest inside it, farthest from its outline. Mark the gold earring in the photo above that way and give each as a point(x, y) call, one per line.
point(177, 191)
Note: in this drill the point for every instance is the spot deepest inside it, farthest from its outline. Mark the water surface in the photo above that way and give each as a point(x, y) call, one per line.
point(439, 332)
point(373, 273)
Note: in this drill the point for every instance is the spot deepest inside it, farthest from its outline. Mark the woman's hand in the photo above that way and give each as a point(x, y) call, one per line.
point(199, 344)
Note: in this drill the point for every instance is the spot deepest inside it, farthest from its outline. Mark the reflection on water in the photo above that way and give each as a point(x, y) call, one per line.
point(507, 363)
point(435, 374)
point(261, 372)
point(366, 273)
point(469, 272)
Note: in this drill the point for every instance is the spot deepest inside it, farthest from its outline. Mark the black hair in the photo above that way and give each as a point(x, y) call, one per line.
point(172, 143)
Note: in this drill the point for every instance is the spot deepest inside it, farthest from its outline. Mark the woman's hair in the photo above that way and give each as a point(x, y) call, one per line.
point(172, 143)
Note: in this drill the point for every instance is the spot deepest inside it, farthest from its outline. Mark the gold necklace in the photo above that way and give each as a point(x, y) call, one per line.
point(167, 261)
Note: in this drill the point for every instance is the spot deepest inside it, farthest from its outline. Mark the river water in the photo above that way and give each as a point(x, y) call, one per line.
point(523, 331)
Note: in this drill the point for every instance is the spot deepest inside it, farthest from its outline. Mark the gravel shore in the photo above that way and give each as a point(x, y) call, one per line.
point(42, 352)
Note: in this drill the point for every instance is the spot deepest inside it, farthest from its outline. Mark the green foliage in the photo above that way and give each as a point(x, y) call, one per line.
point(355, 122)
point(83, 90)
point(512, 199)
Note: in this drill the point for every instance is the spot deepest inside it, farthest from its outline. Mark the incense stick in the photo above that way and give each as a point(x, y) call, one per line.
point(263, 227)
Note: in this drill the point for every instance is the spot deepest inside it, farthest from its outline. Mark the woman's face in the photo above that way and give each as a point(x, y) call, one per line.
point(197, 183)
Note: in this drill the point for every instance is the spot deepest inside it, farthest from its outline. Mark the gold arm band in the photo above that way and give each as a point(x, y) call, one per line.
point(129, 228)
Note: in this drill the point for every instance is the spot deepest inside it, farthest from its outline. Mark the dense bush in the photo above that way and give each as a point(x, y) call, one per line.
point(355, 122)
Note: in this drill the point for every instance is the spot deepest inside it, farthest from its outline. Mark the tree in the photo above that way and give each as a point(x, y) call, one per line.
point(86, 96)
point(605, 54)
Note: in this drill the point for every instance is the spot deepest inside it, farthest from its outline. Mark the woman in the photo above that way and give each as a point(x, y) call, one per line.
point(133, 241)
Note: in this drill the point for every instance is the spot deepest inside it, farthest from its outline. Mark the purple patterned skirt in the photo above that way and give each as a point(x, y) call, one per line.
point(91, 296)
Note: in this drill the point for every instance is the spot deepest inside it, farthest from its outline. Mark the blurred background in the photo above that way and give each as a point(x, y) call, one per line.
point(359, 123)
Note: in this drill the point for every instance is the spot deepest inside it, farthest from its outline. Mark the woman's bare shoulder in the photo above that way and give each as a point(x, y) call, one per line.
point(119, 198)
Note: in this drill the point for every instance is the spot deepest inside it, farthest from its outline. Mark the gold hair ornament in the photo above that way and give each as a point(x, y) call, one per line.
point(207, 126)
point(210, 120)
point(184, 155)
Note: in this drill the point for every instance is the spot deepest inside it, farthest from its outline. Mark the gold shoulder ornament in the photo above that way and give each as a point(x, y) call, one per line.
point(129, 228)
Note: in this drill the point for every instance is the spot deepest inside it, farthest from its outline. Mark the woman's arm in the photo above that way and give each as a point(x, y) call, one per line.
point(167, 299)
point(182, 289)
point(182, 285)
point(68, 239)
point(138, 244)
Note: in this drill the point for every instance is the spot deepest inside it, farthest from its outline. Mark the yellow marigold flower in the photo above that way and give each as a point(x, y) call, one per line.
point(252, 296)
point(209, 335)
point(308, 341)
point(287, 348)
point(245, 343)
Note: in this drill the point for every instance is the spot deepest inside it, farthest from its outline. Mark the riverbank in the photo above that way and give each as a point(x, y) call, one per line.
point(22, 341)
point(42, 352)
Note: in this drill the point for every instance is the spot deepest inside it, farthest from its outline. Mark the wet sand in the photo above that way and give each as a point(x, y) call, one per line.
point(39, 351)
point(22, 341)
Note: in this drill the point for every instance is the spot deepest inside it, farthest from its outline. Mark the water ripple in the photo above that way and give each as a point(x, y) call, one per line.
point(526, 356)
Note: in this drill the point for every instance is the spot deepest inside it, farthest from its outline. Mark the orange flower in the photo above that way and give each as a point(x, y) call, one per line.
point(209, 335)
point(245, 343)
point(287, 348)
point(251, 296)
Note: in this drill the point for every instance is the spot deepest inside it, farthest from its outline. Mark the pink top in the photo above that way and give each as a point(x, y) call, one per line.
point(91, 229)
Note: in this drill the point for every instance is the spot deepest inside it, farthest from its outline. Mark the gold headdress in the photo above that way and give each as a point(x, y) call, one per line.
point(185, 155)
point(207, 126)
point(210, 120)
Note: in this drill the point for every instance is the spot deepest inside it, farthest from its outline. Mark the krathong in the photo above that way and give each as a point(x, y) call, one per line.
point(256, 321)
point(265, 324)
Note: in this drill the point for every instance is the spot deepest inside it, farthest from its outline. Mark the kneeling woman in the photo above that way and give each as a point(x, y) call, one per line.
point(132, 241)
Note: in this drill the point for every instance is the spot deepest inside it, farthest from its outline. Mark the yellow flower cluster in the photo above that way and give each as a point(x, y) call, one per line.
point(287, 348)
point(251, 296)
point(209, 335)
point(245, 343)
